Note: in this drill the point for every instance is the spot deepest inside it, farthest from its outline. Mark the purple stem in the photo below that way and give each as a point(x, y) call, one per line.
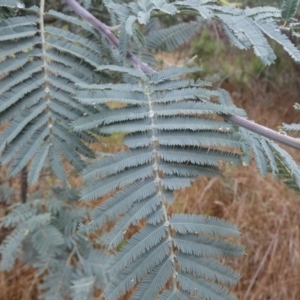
point(137, 63)
point(105, 31)
point(264, 131)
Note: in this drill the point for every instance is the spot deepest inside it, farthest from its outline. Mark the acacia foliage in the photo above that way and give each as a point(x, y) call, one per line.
point(57, 86)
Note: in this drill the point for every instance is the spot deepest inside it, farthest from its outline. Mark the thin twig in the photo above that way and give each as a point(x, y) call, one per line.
point(24, 185)
point(137, 63)
point(115, 28)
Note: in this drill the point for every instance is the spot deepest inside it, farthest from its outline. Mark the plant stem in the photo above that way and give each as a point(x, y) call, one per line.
point(24, 185)
point(106, 31)
point(137, 63)
point(264, 131)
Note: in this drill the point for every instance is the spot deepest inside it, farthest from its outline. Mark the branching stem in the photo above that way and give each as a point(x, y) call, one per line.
point(106, 31)
point(137, 63)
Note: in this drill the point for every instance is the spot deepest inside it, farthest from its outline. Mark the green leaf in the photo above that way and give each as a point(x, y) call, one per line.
point(171, 38)
point(37, 164)
point(289, 8)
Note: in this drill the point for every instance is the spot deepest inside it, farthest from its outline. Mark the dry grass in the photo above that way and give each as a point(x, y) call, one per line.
point(268, 217)
point(19, 284)
point(266, 212)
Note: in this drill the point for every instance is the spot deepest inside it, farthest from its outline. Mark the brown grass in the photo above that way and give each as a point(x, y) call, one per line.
point(266, 212)
point(268, 217)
